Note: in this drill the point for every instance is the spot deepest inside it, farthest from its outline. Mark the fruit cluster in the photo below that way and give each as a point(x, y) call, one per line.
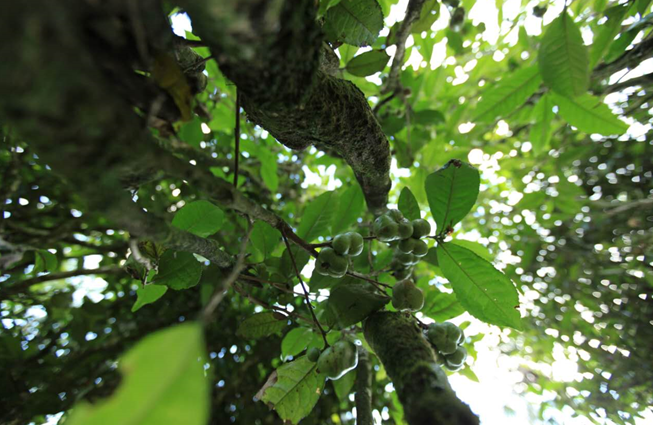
point(393, 226)
point(447, 339)
point(336, 360)
point(333, 261)
point(407, 296)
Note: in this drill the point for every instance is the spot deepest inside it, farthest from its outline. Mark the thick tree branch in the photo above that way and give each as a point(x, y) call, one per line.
point(421, 385)
point(363, 396)
point(272, 51)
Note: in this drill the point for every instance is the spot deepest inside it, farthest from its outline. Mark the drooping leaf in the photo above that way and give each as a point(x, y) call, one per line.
point(178, 270)
point(408, 205)
point(484, 291)
point(508, 94)
point(540, 133)
point(201, 218)
point(607, 32)
point(44, 261)
point(295, 342)
point(368, 63)
point(191, 132)
point(563, 58)
point(318, 216)
point(451, 193)
point(351, 205)
point(293, 389)
point(344, 385)
point(356, 22)
point(147, 295)
point(589, 114)
point(260, 325)
point(301, 259)
point(163, 383)
point(441, 306)
point(264, 240)
point(352, 301)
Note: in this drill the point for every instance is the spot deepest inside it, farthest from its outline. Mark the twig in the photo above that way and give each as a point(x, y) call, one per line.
point(376, 283)
point(328, 243)
point(263, 304)
point(237, 138)
point(231, 278)
point(301, 281)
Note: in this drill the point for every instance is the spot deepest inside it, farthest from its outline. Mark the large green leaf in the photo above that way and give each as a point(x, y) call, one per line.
point(163, 383)
point(191, 132)
point(484, 291)
point(607, 32)
point(260, 325)
point(508, 94)
point(344, 385)
point(589, 114)
point(295, 342)
point(427, 17)
point(352, 301)
point(368, 63)
point(452, 192)
point(201, 218)
point(293, 389)
point(408, 205)
point(540, 133)
point(563, 58)
point(268, 170)
point(44, 261)
point(356, 22)
point(264, 240)
point(318, 216)
point(351, 205)
point(178, 270)
point(440, 306)
point(148, 294)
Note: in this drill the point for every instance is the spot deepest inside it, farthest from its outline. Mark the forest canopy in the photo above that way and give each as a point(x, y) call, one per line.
point(327, 212)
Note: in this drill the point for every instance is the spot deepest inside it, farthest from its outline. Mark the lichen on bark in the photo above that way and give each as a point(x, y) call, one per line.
point(421, 385)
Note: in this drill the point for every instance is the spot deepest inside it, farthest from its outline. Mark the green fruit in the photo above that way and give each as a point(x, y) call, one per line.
point(338, 359)
point(420, 248)
point(356, 246)
point(539, 11)
point(407, 245)
point(387, 230)
point(313, 354)
point(457, 358)
point(457, 17)
point(341, 244)
point(404, 273)
point(329, 263)
point(452, 367)
point(395, 215)
point(445, 337)
point(454, 333)
point(405, 229)
point(421, 228)
point(407, 296)
point(406, 259)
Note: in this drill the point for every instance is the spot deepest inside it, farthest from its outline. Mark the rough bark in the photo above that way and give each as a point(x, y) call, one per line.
point(363, 395)
point(272, 51)
point(421, 385)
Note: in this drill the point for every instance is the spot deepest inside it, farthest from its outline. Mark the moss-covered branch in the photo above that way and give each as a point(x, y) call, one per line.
point(421, 385)
point(272, 51)
point(363, 395)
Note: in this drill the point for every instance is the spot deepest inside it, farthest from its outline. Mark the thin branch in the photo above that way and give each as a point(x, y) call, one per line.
point(237, 138)
point(378, 285)
point(263, 304)
point(219, 293)
point(625, 207)
point(301, 281)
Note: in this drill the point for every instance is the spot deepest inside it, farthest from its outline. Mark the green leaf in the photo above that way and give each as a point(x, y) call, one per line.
point(318, 216)
point(563, 58)
point(326, 5)
point(508, 94)
point(431, 257)
point(344, 385)
point(295, 342)
point(452, 192)
point(293, 389)
point(589, 114)
point(540, 133)
point(356, 22)
point(350, 206)
point(147, 295)
point(191, 132)
point(484, 291)
point(163, 383)
point(319, 281)
point(260, 325)
point(475, 247)
point(201, 218)
point(607, 32)
point(178, 270)
point(264, 240)
point(44, 261)
point(408, 205)
point(352, 301)
point(619, 46)
point(268, 170)
point(427, 17)
point(368, 63)
point(642, 6)
point(440, 306)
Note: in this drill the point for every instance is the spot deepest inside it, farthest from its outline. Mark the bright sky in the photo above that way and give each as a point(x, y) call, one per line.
point(494, 398)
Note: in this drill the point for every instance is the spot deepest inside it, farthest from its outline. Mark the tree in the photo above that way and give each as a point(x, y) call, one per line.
point(150, 179)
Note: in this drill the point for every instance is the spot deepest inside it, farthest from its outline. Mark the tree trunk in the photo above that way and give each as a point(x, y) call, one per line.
point(421, 385)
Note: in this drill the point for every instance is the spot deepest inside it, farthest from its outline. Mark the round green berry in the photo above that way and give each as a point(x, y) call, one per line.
point(403, 273)
point(356, 246)
point(407, 245)
point(341, 244)
point(420, 248)
point(457, 358)
point(329, 263)
point(407, 296)
point(313, 354)
point(396, 215)
point(421, 228)
point(405, 229)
